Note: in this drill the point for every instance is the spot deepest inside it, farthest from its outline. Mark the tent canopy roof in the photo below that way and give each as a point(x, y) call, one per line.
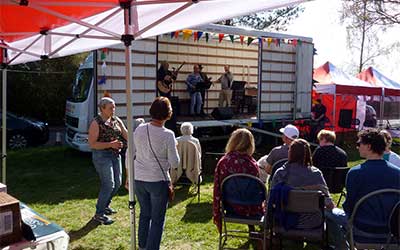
point(330, 79)
point(378, 79)
point(53, 28)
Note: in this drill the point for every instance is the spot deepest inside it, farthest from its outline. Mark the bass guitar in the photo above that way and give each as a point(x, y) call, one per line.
point(164, 86)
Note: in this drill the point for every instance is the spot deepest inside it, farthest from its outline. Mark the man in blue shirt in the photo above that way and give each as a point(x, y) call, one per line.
point(193, 81)
point(374, 174)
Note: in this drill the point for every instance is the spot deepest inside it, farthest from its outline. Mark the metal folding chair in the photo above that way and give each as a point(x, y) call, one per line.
point(275, 167)
point(383, 236)
point(242, 189)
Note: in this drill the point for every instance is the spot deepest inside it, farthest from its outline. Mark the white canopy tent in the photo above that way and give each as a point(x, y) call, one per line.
point(31, 30)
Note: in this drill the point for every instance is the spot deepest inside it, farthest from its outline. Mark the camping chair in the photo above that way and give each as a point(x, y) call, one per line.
point(189, 169)
point(336, 180)
point(242, 189)
point(275, 167)
point(383, 234)
point(300, 203)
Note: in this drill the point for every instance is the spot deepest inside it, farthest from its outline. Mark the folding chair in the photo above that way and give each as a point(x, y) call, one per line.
point(382, 235)
point(242, 189)
point(306, 210)
point(275, 167)
point(189, 156)
point(336, 180)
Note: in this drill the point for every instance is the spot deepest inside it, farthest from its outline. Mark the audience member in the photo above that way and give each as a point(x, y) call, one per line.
point(155, 152)
point(237, 159)
point(328, 156)
point(289, 133)
point(374, 174)
point(389, 155)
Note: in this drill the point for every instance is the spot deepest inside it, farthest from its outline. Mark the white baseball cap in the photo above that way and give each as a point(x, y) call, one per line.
point(290, 131)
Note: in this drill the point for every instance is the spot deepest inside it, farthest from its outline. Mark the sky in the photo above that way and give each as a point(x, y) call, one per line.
point(321, 21)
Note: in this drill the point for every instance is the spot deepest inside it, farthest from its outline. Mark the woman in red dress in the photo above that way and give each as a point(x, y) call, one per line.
point(237, 159)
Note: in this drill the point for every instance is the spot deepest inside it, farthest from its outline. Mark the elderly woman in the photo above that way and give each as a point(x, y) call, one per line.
point(156, 152)
point(237, 159)
point(106, 133)
point(187, 135)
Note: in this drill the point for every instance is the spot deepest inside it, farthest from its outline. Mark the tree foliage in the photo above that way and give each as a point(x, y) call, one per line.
point(276, 20)
point(382, 12)
point(40, 89)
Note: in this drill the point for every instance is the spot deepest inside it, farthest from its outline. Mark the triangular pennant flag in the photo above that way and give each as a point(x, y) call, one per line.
point(269, 41)
point(187, 34)
point(220, 37)
point(294, 42)
point(195, 36)
point(172, 34)
point(176, 35)
point(232, 37)
point(299, 42)
point(102, 56)
point(199, 34)
point(102, 80)
point(207, 37)
point(106, 94)
point(260, 40)
point(103, 67)
point(279, 42)
point(249, 40)
point(241, 39)
point(276, 41)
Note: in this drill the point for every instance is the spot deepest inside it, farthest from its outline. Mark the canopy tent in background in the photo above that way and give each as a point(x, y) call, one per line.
point(389, 107)
point(31, 30)
point(340, 91)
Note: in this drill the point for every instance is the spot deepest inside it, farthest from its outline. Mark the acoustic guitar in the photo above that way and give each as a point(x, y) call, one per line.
point(165, 88)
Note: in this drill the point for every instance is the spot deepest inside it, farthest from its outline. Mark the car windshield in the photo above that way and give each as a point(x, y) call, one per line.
point(80, 89)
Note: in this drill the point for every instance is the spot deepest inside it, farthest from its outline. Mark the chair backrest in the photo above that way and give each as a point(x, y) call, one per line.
point(187, 151)
point(382, 204)
point(276, 166)
point(335, 178)
point(242, 189)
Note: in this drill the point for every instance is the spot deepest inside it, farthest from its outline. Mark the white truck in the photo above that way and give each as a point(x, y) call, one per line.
point(278, 77)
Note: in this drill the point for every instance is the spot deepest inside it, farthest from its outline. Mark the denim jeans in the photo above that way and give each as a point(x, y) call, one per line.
point(108, 166)
point(336, 221)
point(153, 200)
point(195, 103)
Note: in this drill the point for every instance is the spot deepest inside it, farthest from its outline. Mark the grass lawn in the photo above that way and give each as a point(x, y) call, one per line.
point(62, 185)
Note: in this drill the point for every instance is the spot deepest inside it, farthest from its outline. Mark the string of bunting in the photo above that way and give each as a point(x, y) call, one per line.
point(103, 56)
point(197, 35)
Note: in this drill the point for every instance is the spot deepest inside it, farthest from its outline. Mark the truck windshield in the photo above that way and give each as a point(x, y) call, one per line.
point(81, 86)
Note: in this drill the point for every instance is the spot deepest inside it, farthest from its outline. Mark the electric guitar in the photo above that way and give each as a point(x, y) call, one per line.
point(165, 87)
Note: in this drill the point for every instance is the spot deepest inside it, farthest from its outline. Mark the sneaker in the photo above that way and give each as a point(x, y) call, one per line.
point(103, 219)
point(109, 211)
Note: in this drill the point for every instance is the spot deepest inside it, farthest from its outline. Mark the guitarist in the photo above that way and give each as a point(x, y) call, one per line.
point(203, 87)
point(193, 81)
point(164, 80)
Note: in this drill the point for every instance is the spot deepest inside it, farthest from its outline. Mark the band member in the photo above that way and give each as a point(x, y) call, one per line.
point(206, 84)
point(226, 93)
point(192, 82)
point(164, 79)
point(318, 118)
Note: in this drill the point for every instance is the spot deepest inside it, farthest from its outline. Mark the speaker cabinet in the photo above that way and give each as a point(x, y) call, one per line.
point(345, 118)
point(222, 113)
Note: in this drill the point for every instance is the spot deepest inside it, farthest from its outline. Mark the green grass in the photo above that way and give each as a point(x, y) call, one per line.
point(62, 185)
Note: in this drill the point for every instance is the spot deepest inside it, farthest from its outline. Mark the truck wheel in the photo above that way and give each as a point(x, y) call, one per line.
point(17, 141)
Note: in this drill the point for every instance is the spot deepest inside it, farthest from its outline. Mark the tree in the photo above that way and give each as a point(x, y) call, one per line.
point(40, 89)
point(384, 12)
point(272, 20)
point(364, 29)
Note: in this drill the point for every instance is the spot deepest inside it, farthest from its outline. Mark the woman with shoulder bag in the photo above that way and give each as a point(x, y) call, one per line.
point(155, 153)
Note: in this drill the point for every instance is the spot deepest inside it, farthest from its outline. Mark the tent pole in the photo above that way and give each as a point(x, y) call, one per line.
point(334, 112)
point(382, 109)
point(127, 38)
point(4, 125)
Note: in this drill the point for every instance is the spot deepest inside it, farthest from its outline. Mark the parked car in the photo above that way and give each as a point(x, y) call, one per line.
point(23, 132)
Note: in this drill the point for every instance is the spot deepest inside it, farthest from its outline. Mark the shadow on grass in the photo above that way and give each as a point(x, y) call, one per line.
point(198, 212)
point(78, 234)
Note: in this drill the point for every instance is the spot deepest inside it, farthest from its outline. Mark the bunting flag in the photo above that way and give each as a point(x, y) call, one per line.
point(207, 37)
point(195, 36)
point(220, 37)
point(269, 41)
point(103, 54)
point(187, 34)
point(294, 42)
point(106, 94)
point(176, 35)
point(299, 42)
point(241, 39)
point(232, 37)
point(249, 124)
point(249, 40)
point(199, 34)
point(260, 40)
point(102, 80)
point(172, 34)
